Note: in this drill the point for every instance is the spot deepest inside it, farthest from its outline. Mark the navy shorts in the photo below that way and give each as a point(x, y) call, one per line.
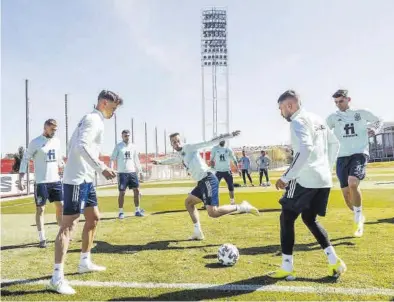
point(127, 180)
point(52, 191)
point(78, 197)
point(207, 190)
point(298, 199)
point(228, 177)
point(353, 165)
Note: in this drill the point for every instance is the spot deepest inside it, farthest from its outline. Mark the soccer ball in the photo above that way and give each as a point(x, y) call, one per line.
point(228, 254)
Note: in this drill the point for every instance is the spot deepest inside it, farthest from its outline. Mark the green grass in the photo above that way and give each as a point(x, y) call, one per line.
point(153, 249)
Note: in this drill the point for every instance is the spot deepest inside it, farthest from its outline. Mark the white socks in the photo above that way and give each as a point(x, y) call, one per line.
point(41, 235)
point(358, 213)
point(287, 262)
point(331, 255)
point(121, 210)
point(197, 227)
point(232, 202)
point(85, 259)
point(137, 209)
point(58, 272)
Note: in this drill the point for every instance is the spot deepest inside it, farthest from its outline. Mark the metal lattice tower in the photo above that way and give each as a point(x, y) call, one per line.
point(214, 73)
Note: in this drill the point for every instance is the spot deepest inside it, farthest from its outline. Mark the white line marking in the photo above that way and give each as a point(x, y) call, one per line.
point(225, 287)
point(17, 205)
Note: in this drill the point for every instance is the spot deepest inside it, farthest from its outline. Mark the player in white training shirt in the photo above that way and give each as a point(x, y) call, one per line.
point(221, 158)
point(79, 193)
point(45, 151)
point(307, 181)
point(207, 189)
point(128, 166)
point(352, 128)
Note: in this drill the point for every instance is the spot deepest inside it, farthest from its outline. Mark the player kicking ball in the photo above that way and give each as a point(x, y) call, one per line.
point(352, 127)
point(207, 189)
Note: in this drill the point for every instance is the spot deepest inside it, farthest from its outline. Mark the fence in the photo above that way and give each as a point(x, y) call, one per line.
point(381, 147)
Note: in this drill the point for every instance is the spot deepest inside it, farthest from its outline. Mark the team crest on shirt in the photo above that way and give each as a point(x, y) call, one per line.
point(357, 117)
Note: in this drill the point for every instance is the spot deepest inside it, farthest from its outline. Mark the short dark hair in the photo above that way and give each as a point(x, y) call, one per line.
point(125, 131)
point(50, 122)
point(339, 93)
point(288, 94)
point(174, 134)
point(110, 96)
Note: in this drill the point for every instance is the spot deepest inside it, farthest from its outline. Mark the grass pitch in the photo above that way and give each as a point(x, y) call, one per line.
point(153, 250)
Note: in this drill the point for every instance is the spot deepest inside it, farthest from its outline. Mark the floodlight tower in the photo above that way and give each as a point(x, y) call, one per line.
point(214, 73)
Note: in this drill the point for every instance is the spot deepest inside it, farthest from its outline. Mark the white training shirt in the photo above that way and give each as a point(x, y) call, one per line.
point(223, 156)
point(126, 158)
point(84, 150)
point(351, 129)
point(315, 151)
point(190, 157)
point(45, 153)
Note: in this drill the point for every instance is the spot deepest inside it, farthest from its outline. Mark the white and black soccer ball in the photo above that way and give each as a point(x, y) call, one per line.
point(228, 254)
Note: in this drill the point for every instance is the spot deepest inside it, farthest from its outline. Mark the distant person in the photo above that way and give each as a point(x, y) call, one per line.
point(246, 167)
point(129, 167)
point(352, 127)
point(221, 161)
point(45, 151)
point(263, 163)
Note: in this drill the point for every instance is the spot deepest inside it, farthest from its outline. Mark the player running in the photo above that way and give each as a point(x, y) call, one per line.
point(307, 181)
point(352, 127)
point(45, 151)
point(128, 167)
point(207, 189)
point(263, 163)
point(79, 192)
point(221, 158)
point(245, 168)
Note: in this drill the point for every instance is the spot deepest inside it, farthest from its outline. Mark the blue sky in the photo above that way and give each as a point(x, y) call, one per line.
point(149, 52)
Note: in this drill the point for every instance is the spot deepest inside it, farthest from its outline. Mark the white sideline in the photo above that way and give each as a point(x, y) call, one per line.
point(225, 287)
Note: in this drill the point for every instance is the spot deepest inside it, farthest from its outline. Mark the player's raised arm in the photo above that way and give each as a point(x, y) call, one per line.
point(214, 141)
point(87, 132)
point(305, 149)
point(168, 161)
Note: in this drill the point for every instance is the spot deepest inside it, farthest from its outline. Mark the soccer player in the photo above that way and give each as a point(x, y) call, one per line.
point(245, 164)
point(45, 151)
point(352, 127)
point(221, 161)
point(307, 181)
point(128, 167)
point(207, 189)
point(263, 163)
point(79, 192)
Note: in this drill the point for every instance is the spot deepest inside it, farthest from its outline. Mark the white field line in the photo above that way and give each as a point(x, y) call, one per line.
point(225, 287)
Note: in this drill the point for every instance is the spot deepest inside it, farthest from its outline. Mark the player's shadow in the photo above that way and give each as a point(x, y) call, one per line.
point(81, 220)
point(218, 292)
point(22, 246)
point(384, 220)
point(201, 209)
point(168, 212)
point(276, 249)
point(103, 247)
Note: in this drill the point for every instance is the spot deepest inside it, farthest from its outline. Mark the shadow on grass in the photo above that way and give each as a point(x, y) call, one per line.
point(276, 249)
point(81, 220)
point(103, 247)
point(22, 246)
point(384, 220)
point(220, 291)
point(202, 209)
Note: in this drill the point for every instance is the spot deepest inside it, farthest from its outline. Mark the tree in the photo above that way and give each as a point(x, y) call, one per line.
point(18, 159)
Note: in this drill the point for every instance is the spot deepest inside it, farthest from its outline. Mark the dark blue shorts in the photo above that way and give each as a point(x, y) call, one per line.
point(127, 180)
point(298, 199)
point(52, 191)
point(353, 165)
point(78, 197)
point(207, 190)
point(228, 177)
